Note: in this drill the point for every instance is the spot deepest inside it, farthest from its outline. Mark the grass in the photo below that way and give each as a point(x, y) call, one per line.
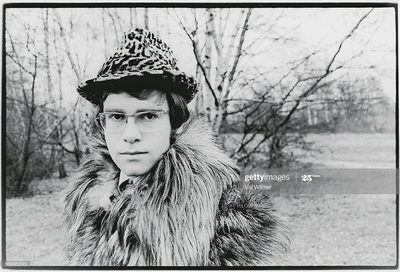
point(335, 230)
point(329, 229)
point(354, 150)
point(33, 230)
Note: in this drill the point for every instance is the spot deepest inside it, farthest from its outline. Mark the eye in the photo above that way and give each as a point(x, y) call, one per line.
point(116, 117)
point(147, 116)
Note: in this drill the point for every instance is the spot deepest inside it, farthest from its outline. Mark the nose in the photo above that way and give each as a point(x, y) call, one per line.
point(131, 132)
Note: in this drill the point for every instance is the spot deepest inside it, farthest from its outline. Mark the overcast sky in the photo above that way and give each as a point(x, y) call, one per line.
point(318, 28)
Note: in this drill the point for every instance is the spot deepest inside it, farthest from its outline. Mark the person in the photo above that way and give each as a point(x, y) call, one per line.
point(156, 189)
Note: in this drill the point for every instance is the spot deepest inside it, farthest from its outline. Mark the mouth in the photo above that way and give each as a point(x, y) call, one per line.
point(133, 153)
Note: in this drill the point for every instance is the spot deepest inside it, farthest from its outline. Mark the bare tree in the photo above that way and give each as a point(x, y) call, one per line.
point(272, 114)
point(24, 122)
point(257, 80)
point(266, 112)
point(37, 127)
point(227, 60)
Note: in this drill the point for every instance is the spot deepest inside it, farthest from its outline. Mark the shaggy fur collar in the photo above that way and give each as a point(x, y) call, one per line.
point(186, 211)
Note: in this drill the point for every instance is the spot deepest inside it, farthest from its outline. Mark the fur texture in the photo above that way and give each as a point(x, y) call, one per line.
point(186, 211)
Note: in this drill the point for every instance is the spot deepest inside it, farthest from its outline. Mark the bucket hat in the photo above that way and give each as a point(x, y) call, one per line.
point(141, 60)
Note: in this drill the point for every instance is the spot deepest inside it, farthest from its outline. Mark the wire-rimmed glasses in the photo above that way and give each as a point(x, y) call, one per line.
point(149, 120)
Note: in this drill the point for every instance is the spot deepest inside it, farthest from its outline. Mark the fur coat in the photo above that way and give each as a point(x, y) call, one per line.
point(187, 211)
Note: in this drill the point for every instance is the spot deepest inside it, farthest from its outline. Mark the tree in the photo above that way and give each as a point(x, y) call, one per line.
point(262, 82)
point(36, 117)
point(270, 99)
point(22, 111)
point(214, 99)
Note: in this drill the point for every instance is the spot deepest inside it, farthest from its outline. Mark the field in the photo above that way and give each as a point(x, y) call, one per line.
point(329, 230)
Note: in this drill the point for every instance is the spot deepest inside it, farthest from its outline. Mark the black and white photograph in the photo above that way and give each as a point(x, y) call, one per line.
point(200, 135)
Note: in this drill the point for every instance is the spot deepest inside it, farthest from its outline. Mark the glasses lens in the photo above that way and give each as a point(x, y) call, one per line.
point(113, 121)
point(149, 121)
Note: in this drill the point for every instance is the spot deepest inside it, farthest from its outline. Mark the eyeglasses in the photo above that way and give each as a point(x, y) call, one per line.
point(145, 121)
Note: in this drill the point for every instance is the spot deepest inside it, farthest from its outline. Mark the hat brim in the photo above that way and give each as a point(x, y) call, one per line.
point(167, 81)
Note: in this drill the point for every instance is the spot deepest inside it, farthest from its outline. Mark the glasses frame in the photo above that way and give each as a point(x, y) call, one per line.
point(162, 112)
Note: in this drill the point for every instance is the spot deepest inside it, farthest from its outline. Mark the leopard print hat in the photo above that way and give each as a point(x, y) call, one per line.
point(141, 60)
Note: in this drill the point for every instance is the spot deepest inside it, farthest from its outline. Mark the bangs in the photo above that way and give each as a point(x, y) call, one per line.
point(141, 94)
point(148, 93)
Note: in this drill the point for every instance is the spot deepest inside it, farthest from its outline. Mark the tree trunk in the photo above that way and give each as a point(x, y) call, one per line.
point(26, 154)
point(104, 34)
point(24, 167)
point(146, 18)
point(225, 71)
point(61, 167)
point(207, 99)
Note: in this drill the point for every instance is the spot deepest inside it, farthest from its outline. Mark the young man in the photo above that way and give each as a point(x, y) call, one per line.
point(156, 189)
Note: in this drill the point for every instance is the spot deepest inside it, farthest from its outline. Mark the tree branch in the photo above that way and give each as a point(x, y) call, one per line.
point(197, 56)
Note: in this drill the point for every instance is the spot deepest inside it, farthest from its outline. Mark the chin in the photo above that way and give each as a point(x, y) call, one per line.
point(137, 167)
point(137, 170)
point(132, 173)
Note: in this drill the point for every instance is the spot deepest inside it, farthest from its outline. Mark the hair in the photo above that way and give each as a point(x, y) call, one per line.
point(178, 110)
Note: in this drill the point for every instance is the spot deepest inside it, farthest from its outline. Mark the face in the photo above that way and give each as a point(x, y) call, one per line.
point(134, 151)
